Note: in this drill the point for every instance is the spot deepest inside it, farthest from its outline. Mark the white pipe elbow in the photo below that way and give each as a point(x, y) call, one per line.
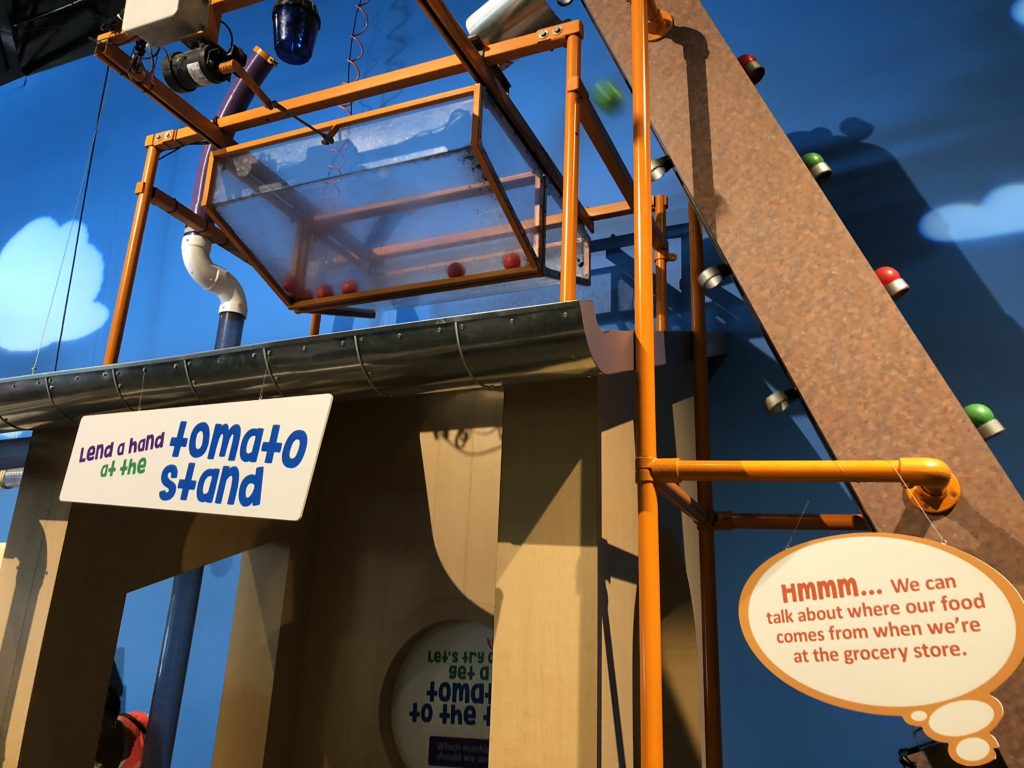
point(195, 252)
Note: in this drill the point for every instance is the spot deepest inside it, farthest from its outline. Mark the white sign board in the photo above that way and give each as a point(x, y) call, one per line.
point(441, 699)
point(891, 625)
point(248, 459)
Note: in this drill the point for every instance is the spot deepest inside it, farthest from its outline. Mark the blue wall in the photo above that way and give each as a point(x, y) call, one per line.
point(917, 106)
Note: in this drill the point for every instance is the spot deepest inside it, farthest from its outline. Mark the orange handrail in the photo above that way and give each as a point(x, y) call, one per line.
point(929, 482)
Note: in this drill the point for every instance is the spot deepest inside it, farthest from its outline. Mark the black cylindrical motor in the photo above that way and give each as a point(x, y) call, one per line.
point(188, 70)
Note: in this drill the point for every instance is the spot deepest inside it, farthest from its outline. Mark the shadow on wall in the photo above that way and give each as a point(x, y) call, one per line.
point(975, 344)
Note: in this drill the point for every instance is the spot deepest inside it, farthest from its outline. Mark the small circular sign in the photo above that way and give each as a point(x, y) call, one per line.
point(441, 698)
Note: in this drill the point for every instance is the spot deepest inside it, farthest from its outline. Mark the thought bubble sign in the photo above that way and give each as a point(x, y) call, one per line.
point(891, 625)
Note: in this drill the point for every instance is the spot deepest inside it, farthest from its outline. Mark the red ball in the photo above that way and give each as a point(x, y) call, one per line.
point(511, 260)
point(887, 275)
point(323, 291)
point(290, 285)
point(455, 269)
point(303, 294)
point(350, 286)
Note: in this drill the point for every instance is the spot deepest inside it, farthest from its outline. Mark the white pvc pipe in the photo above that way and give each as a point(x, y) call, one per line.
point(195, 252)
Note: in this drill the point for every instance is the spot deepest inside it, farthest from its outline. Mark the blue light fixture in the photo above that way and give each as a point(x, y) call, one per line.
point(296, 23)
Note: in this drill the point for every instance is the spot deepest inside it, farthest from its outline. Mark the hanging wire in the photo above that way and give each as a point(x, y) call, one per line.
point(398, 42)
point(79, 204)
point(895, 469)
point(81, 212)
point(798, 521)
point(352, 61)
point(917, 504)
point(337, 163)
point(231, 34)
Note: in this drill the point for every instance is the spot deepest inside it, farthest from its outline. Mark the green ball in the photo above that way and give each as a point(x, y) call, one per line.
point(979, 414)
point(607, 96)
point(811, 159)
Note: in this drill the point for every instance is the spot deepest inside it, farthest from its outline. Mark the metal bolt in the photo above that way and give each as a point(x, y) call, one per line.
point(557, 30)
point(399, 335)
point(542, 34)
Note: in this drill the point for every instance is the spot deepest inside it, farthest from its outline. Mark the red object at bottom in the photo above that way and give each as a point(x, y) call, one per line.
point(135, 723)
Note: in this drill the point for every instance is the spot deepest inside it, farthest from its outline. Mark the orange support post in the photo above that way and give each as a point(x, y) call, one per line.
point(571, 172)
point(314, 324)
point(651, 742)
point(144, 192)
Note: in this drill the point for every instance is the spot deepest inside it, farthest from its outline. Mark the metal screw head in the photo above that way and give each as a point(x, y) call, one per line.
point(542, 34)
point(557, 30)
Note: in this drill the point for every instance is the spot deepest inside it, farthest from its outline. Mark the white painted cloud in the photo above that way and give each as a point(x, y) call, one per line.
point(29, 267)
point(1017, 12)
point(1000, 212)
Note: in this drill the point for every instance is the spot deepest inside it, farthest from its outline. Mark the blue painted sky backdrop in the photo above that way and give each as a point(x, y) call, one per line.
point(916, 105)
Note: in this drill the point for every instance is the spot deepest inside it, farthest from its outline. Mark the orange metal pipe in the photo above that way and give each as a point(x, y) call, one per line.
point(932, 475)
point(144, 194)
point(661, 264)
point(649, 582)
point(571, 173)
point(314, 324)
point(682, 501)
point(659, 21)
point(826, 522)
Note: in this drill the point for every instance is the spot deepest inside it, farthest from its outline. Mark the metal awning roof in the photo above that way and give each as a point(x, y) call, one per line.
point(490, 349)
